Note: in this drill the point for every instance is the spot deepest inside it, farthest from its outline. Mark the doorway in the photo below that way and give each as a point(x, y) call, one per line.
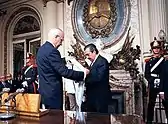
point(20, 49)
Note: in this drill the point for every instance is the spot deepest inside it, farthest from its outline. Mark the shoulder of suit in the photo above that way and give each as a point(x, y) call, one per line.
point(100, 56)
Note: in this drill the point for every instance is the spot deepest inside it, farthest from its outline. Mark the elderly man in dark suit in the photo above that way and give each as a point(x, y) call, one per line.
point(97, 81)
point(51, 69)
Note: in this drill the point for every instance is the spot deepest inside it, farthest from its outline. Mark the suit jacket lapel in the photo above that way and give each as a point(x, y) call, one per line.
point(95, 62)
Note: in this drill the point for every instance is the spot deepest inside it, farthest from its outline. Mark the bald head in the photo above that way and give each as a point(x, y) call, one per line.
point(56, 36)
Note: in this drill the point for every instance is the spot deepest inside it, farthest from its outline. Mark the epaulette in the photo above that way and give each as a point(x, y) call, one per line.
point(166, 57)
point(148, 59)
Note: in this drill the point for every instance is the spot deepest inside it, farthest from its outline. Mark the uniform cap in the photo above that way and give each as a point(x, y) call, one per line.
point(156, 43)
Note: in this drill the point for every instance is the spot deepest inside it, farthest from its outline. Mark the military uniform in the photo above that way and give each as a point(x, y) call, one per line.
point(154, 75)
point(29, 76)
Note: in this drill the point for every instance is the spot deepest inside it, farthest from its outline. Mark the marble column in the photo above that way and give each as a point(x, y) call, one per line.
point(60, 24)
point(51, 14)
point(157, 17)
point(144, 25)
point(54, 16)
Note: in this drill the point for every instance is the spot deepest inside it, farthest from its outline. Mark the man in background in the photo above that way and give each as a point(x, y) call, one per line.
point(4, 85)
point(70, 88)
point(29, 75)
point(154, 74)
point(13, 83)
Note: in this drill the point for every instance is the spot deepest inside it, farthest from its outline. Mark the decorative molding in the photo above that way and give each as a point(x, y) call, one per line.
point(123, 83)
point(58, 1)
point(69, 1)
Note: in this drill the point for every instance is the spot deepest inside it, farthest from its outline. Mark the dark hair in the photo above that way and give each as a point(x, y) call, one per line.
point(92, 48)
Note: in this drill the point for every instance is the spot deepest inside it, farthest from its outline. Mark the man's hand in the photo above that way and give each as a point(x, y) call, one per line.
point(87, 71)
point(25, 84)
point(20, 90)
point(6, 89)
point(162, 95)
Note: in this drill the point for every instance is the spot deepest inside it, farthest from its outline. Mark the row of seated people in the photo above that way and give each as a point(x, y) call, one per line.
point(7, 83)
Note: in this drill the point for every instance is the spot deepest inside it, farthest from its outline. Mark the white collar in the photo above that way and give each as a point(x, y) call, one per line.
point(51, 43)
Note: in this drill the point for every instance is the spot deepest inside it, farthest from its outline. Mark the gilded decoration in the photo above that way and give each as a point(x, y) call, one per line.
point(99, 17)
point(107, 20)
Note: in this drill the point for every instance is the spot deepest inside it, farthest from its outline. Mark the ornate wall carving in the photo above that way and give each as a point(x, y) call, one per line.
point(99, 18)
point(106, 20)
point(125, 58)
point(25, 25)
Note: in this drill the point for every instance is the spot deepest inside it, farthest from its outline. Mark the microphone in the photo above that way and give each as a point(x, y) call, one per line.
point(11, 96)
point(5, 90)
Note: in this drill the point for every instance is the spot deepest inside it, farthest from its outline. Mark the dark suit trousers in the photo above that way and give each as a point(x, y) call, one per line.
point(97, 107)
point(152, 99)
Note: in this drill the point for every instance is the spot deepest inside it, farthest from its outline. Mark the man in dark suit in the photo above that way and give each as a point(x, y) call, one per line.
point(51, 69)
point(97, 81)
point(14, 85)
point(154, 74)
point(4, 84)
